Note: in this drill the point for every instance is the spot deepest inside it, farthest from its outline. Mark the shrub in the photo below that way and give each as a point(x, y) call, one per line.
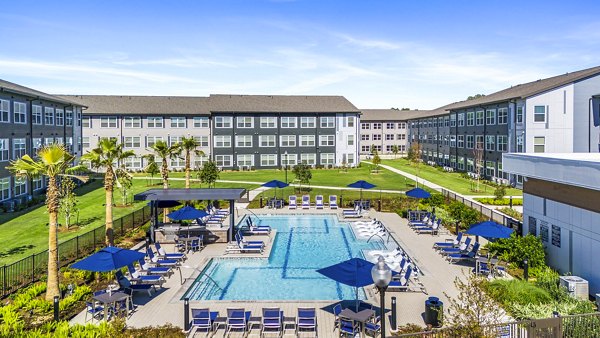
point(503, 201)
point(435, 200)
point(517, 291)
point(517, 248)
point(500, 192)
point(464, 214)
point(512, 213)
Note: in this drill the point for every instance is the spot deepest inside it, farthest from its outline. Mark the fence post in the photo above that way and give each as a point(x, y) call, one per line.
point(33, 268)
point(77, 247)
point(122, 225)
point(4, 280)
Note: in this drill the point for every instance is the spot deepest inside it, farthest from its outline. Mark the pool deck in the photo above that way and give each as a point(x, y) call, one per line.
point(165, 305)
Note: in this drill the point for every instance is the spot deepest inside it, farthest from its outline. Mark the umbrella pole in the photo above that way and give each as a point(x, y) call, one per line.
point(356, 288)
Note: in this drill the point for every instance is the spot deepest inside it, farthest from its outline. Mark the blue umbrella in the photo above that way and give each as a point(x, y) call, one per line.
point(490, 229)
point(418, 193)
point(108, 259)
point(187, 213)
point(275, 184)
point(361, 185)
point(354, 272)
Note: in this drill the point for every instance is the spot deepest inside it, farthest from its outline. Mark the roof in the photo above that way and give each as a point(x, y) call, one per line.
point(190, 194)
point(390, 114)
point(443, 110)
point(531, 89)
point(281, 104)
point(147, 105)
point(10, 87)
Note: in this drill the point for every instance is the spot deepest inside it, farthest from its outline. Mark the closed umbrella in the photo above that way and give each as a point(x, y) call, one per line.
point(361, 185)
point(108, 259)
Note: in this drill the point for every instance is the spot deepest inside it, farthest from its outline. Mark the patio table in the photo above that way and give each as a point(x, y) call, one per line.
point(188, 241)
point(111, 298)
point(361, 316)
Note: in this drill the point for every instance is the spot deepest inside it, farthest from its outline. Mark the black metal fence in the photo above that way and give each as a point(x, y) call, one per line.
point(30, 269)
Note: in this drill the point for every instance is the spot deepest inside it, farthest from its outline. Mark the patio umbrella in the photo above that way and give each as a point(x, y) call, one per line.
point(490, 229)
point(108, 259)
point(275, 184)
point(361, 185)
point(418, 193)
point(354, 272)
point(187, 213)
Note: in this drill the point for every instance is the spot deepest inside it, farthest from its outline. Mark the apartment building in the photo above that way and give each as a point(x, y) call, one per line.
point(431, 131)
point(382, 129)
point(30, 119)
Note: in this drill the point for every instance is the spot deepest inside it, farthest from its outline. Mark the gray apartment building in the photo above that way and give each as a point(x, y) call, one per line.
point(431, 130)
point(382, 129)
point(30, 119)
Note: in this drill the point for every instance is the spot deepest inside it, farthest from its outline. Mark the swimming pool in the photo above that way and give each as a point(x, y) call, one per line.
point(303, 244)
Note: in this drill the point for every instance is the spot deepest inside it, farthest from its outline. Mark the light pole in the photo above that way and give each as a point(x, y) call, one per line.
point(382, 275)
point(286, 166)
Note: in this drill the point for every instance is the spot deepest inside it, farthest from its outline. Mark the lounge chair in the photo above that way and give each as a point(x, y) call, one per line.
point(160, 262)
point(293, 204)
point(211, 209)
point(272, 321)
point(355, 213)
point(246, 247)
point(434, 229)
point(306, 320)
point(243, 240)
point(402, 283)
point(138, 278)
point(163, 254)
point(127, 285)
point(449, 243)
point(462, 248)
point(258, 229)
point(145, 268)
point(319, 202)
point(424, 221)
point(333, 202)
point(305, 201)
point(464, 256)
point(203, 319)
point(237, 319)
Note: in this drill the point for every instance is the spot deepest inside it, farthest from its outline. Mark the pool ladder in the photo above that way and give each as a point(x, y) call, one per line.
point(210, 285)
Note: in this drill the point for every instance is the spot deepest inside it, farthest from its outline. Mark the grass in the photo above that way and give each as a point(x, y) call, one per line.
point(452, 181)
point(26, 232)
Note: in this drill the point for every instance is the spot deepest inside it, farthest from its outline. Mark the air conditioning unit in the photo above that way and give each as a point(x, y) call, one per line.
point(576, 286)
point(598, 301)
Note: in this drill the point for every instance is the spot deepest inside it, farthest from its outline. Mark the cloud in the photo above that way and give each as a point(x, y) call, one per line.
point(369, 43)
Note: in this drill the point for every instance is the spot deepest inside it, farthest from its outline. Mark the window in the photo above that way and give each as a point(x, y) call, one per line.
point(287, 140)
point(20, 186)
point(401, 137)
point(244, 122)
point(4, 149)
point(390, 125)
point(132, 122)
point(132, 142)
point(79, 119)
point(20, 113)
point(490, 142)
point(19, 148)
point(350, 140)
point(389, 137)
point(556, 235)
point(539, 114)
point(502, 115)
point(266, 141)
point(376, 125)
point(461, 119)
point(490, 117)
point(502, 143)
point(38, 183)
point(4, 111)
point(470, 141)
point(268, 122)
point(36, 115)
point(178, 122)
point(224, 122)
point(490, 169)
point(86, 122)
point(327, 140)
point(479, 142)
point(243, 141)
point(154, 122)
point(350, 121)
point(461, 163)
point(69, 144)
point(85, 142)
point(365, 126)
point(48, 141)
point(519, 115)
point(307, 140)
point(532, 226)
point(268, 160)
point(308, 122)
point(108, 122)
point(377, 137)
point(365, 149)
point(69, 118)
point(328, 122)
point(49, 116)
point(288, 159)
point(539, 144)
point(520, 144)
point(174, 140)
point(200, 122)
point(470, 118)
point(460, 141)
point(479, 117)
point(453, 120)
point(199, 161)
point(446, 121)
point(37, 145)
point(402, 125)
point(177, 163)
point(327, 158)
point(4, 188)
point(310, 159)
point(245, 160)
point(202, 140)
point(60, 117)
point(222, 141)
point(365, 137)
point(132, 163)
point(288, 122)
point(151, 140)
point(350, 157)
point(453, 141)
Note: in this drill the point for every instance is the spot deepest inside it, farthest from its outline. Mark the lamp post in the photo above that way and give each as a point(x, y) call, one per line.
point(382, 275)
point(286, 166)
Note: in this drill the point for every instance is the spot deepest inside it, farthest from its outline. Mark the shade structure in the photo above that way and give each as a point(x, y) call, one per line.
point(418, 193)
point(361, 185)
point(490, 229)
point(354, 272)
point(165, 204)
point(108, 259)
point(187, 213)
point(275, 184)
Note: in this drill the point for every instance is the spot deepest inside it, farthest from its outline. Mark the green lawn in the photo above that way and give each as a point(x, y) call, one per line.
point(452, 181)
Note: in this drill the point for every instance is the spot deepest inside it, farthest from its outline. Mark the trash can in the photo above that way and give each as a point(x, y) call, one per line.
point(434, 312)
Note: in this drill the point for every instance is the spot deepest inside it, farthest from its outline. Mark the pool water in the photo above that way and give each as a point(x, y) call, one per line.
point(303, 244)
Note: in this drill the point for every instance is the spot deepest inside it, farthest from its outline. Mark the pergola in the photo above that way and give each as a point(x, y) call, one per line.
point(192, 194)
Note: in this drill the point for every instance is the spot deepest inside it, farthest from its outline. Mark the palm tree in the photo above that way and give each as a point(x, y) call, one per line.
point(395, 150)
point(151, 168)
point(189, 145)
point(165, 152)
point(53, 161)
point(108, 155)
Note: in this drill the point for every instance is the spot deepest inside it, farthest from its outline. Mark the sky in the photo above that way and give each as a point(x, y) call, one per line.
point(378, 54)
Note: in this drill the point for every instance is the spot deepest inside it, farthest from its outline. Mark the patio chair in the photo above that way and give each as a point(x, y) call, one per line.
point(348, 327)
point(449, 243)
point(197, 244)
point(306, 320)
point(163, 254)
point(333, 202)
point(93, 309)
point(292, 200)
point(305, 201)
point(402, 283)
point(145, 268)
point(126, 284)
point(453, 258)
point(337, 309)
point(373, 328)
point(319, 202)
point(272, 321)
point(237, 319)
point(203, 319)
point(462, 248)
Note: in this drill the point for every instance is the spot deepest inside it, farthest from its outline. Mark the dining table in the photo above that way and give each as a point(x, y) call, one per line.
point(362, 316)
point(109, 299)
point(188, 241)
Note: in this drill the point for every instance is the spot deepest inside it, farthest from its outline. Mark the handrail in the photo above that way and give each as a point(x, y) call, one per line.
point(386, 242)
point(252, 212)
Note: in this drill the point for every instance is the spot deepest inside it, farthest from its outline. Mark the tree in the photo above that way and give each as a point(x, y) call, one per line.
point(54, 161)
point(125, 182)
point(500, 192)
point(302, 173)
point(478, 161)
point(476, 96)
point(152, 167)
point(395, 150)
point(376, 160)
point(108, 155)
point(189, 145)
point(209, 173)
point(165, 152)
point(68, 200)
point(414, 157)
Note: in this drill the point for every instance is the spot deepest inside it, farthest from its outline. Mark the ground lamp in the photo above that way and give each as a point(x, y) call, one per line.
point(382, 275)
point(286, 166)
